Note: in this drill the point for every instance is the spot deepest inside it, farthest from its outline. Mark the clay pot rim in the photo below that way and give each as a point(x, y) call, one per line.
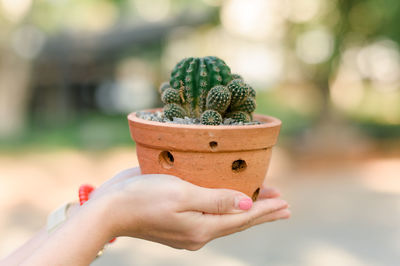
point(269, 122)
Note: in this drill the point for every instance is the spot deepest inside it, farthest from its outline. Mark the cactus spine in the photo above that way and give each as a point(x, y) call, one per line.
point(239, 91)
point(218, 99)
point(248, 105)
point(174, 110)
point(205, 88)
point(211, 117)
point(239, 116)
point(170, 96)
point(243, 102)
point(236, 76)
point(194, 78)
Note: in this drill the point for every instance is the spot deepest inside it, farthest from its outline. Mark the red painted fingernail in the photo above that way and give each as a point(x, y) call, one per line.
point(245, 204)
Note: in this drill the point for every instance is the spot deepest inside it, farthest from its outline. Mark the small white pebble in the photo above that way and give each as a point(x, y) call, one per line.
point(159, 117)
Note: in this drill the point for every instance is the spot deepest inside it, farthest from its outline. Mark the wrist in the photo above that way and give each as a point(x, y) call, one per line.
point(89, 226)
point(99, 213)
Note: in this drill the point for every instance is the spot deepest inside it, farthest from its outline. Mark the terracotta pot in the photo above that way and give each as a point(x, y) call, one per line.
point(235, 157)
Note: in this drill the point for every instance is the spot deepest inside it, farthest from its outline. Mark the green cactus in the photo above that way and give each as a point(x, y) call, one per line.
point(239, 116)
point(170, 96)
point(218, 99)
point(174, 110)
point(205, 88)
point(236, 76)
point(164, 86)
point(194, 77)
point(211, 117)
point(240, 91)
point(252, 92)
point(248, 106)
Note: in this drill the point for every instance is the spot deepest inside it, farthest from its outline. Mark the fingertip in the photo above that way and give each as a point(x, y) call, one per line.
point(272, 205)
point(269, 192)
point(275, 192)
point(281, 204)
point(286, 214)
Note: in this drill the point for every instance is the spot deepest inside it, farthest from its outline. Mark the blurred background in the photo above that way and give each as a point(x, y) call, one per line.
point(70, 72)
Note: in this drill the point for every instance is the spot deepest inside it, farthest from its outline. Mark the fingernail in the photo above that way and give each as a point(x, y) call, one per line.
point(245, 204)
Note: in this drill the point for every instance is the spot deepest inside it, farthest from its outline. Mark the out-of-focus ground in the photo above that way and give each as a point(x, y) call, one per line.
point(345, 211)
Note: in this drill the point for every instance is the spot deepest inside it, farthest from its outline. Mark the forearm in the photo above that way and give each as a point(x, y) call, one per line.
point(20, 254)
point(77, 241)
point(30, 246)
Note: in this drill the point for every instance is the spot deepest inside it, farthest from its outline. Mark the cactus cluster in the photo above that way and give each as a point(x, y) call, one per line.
point(204, 88)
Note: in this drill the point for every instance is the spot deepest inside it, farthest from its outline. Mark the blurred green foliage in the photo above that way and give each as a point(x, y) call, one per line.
point(93, 131)
point(293, 122)
point(353, 28)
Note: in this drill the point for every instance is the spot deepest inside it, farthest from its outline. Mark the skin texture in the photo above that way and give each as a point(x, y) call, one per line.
point(159, 208)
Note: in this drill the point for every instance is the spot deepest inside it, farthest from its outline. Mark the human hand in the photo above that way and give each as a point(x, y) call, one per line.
point(168, 210)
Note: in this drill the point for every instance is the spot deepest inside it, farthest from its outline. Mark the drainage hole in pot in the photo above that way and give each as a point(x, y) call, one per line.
point(255, 194)
point(166, 159)
point(213, 145)
point(239, 166)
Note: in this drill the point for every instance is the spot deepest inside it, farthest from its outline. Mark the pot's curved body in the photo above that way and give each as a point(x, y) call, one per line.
point(234, 157)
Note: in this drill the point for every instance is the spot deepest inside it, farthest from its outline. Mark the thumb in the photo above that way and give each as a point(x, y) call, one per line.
point(219, 201)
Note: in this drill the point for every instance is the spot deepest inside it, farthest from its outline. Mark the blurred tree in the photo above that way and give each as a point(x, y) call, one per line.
point(349, 22)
